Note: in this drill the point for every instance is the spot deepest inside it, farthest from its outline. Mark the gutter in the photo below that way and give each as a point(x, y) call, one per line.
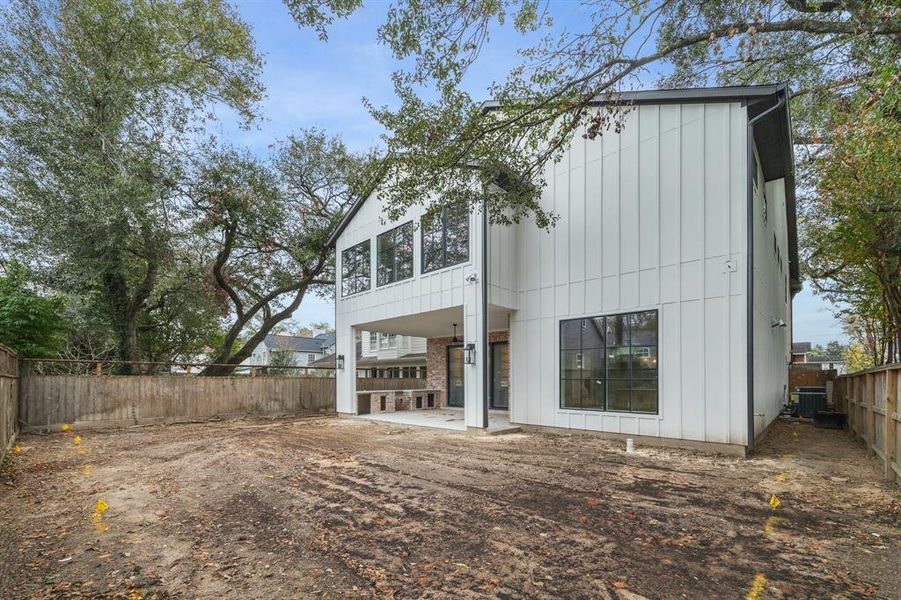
point(485, 344)
point(750, 274)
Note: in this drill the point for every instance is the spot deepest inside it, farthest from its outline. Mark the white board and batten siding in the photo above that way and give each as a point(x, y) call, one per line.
point(772, 345)
point(651, 218)
point(424, 292)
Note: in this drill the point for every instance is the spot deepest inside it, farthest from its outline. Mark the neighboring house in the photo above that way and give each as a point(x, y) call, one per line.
point(801, 355)
point(303, 350)
point(386, 356)
point(800, 352)
point(391, 355)
point(659, 305)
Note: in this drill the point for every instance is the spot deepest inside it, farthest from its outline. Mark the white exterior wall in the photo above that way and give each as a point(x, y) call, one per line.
point(436, 290)
point(652, 218)
point(772, 301)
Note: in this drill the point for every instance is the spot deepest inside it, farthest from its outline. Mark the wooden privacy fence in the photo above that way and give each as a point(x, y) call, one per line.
point(122, 400)
point(871, 400)
point(9, 398)
point(390, 383)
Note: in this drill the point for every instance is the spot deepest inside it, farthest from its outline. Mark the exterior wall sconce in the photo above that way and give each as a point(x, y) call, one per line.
point(469, 354)
point(339, 361)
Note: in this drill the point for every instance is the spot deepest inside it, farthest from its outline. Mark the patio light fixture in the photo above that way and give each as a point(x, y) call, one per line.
point(469, 354)
point(339, 361)
point(455, 340)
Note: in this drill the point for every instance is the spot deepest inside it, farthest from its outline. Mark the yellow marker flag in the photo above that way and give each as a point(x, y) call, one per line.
point(87, 470)
point(99, 508)
point(757, 586)
point(774, 501)
point(16, 448)
point(77, 440)
point(66, 427)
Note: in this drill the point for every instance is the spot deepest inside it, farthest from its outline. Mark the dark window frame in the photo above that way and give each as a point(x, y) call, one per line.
point(443, 263)
point(367, 246)
point(606, 346)
point(394, 278)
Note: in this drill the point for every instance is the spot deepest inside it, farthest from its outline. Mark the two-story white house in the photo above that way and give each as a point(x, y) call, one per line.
point(299, 350)
point(388, 355)
point(659, 305)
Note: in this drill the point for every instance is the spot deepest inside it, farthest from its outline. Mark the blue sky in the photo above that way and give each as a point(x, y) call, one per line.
point(322, 84)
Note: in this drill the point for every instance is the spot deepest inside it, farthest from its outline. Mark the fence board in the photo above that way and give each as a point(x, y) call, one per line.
point(120, 400)
point(871, 399)
point(9, 398)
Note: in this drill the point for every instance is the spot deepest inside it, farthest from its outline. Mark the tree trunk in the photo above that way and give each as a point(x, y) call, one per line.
point(228, 360)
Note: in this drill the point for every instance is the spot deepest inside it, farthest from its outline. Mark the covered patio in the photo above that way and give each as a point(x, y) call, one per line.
point(466, 373)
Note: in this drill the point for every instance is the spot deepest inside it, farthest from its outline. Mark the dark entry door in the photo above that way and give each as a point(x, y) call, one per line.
point(455, 376)
point(499, 392)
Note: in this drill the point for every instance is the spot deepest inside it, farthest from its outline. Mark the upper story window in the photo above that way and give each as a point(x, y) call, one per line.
point(609, 363)
point(387, 340)
point(355, 269)
point(373, 340)
point(445, 238)
point(395, 254)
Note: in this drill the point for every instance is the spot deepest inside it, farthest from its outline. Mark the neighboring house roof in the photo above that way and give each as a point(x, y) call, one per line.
point(327, 339)
point(297, 343)
point(769, 133)
point(801, 347)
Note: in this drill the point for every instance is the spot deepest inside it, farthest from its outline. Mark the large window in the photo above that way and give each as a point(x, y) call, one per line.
point(609, 363)
point(395, 254)
point(445, 238)
point(355, 266)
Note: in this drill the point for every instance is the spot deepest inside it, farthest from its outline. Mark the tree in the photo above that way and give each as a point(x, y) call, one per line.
point(852, 225)
point(279, 360)
point(856, 358)
point(29, 324)
point(442, 144)
point(315, 328)
point(100, 101)
point(265, 229)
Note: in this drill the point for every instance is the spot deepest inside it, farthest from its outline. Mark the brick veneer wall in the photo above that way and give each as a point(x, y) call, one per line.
point(809, 374)
point(436, 358)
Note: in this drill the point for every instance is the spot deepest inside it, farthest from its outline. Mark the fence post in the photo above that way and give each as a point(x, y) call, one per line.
point(871, 413)
point(890, 434)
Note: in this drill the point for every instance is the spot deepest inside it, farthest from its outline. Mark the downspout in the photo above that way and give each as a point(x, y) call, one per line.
point(750, 274)
point(485, 345)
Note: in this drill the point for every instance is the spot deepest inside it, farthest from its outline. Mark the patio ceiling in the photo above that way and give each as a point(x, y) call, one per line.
point(435, 323)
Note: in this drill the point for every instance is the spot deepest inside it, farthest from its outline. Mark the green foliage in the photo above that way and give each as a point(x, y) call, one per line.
point(100, 101)
point(29, 324)
point(278, 359)
point(443, 148)
point(265, 226)
point(322, 13)
point(857, 359)
point(834, 350)
point(852, 225)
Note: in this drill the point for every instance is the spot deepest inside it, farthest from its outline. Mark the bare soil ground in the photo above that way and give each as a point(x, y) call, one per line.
point(339, 508)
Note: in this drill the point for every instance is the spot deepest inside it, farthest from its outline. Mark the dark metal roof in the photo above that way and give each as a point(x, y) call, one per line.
point(679, 96)
point(295, 343)
point(800, 347)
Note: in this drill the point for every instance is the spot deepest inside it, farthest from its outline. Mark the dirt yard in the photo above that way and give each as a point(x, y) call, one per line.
point(338, 508)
